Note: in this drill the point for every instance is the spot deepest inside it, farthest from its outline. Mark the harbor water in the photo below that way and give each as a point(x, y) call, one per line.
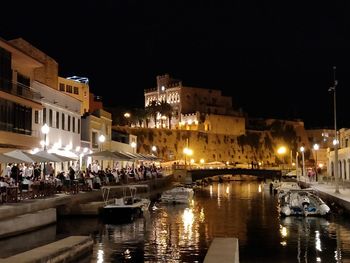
point(182, 233)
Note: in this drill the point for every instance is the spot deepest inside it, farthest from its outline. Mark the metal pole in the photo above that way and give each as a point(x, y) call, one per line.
point(316, 166)
point(296, 166)
point(302, 154)
point(45, 142)
point(336, 136)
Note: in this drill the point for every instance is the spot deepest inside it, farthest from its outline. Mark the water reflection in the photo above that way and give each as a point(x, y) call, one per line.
point(182, 233)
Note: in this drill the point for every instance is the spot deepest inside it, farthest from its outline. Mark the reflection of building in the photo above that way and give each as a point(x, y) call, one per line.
point(18, 101)
point(195, 108)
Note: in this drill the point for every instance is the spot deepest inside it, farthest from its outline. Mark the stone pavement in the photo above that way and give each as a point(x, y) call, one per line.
point(327, 189)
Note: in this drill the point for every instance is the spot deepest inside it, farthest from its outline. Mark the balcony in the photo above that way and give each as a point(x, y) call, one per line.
point(19, 89)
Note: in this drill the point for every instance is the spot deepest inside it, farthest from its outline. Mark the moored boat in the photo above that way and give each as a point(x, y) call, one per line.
point(125, 208)
point(302, 202)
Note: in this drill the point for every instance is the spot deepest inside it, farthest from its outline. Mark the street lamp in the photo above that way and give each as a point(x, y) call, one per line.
point(133, 146)
point(127, 116)
point(45, 130)
point(335, 131)
point(282, 150)
point(101, 139)
point(316, 148)
point(187, 152)
point(154, 148)
point(302, 149)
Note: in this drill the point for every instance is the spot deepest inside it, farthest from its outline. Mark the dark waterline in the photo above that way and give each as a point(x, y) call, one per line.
point(183, 233)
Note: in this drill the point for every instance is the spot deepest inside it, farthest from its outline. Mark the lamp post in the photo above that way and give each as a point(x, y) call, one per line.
point(127, 116)
point(133, 146)
point(335, 142)
point(101, 139)
point(187, 152)
point(302, 149)
point(154, 149)
point(282, 150)
point(316, 148)
point(45, 130)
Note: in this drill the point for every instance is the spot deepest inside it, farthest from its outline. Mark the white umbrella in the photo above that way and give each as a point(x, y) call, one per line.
point(8, 159)
point(108, 155)
point(20, 155)
point(48, 156)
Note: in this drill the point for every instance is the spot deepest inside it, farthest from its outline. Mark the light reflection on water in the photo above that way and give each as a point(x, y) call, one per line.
point(181, 233)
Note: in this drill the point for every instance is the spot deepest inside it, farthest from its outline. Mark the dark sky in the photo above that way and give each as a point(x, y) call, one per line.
point(275, 60)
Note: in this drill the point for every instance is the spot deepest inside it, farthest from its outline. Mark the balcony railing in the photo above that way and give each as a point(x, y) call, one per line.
point(19, 89)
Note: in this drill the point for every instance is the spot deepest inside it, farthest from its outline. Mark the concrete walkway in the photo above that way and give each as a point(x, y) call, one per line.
point(327, 192)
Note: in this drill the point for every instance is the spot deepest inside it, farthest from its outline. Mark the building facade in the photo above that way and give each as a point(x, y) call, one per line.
point(62, 114)
point(18, 101)
point(193, 108)
point(78, 88)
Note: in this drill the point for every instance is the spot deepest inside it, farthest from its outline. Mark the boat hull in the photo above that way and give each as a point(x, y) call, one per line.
point(117, 214)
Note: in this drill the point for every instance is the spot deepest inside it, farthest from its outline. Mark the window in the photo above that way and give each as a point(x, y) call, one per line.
point(36, 117)
point(62, 87)
point(63, 121)
point(79, 126)
point(68, 122)
point(69, 88)
point(50, 117)
point(76, 90)
point(15, 117)
point(22, 83)
point(94, 140)
point(73, 124)
point(44, 115)
point(5, 70)
point(57, 120)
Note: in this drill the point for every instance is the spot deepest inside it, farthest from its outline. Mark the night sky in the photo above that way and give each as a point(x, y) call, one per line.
point(275, 60)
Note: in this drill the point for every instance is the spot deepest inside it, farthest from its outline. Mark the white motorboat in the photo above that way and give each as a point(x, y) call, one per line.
point(302, 202)
point(177, 195)
point(125, 208)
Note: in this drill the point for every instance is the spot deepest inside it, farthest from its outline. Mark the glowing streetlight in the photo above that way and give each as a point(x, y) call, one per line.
point(187, 152)
point(133, 146)
point(316, 148)
point(45, 130)
point(302, 149)
point(201, 161)
point(101, 139)
point(281, 151)
point(127, 115)
point(154, 148)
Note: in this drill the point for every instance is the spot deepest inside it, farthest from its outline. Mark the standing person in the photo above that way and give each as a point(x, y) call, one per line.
point(37, 172)
point(15, 173)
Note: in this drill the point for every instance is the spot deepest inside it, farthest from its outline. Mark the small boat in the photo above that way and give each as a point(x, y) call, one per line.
point(126, 208)
point(302, 202)
point(177, 195)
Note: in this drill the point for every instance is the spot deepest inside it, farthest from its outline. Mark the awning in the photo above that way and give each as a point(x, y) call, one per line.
point(20, 155)
point(8, 159)
point(108, 155)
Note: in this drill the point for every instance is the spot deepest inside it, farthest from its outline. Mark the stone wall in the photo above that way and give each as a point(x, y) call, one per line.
point(254, 146)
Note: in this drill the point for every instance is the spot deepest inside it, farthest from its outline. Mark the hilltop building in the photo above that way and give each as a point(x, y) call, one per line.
point(195, 108)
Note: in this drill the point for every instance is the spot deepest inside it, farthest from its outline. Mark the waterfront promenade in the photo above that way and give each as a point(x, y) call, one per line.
point(326, 190)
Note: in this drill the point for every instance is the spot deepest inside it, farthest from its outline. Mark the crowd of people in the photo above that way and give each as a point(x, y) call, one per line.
point(24, 176)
